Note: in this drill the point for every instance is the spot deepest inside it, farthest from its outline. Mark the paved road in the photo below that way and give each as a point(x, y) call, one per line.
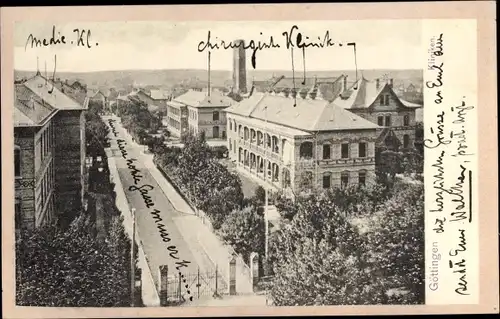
point(144, 192)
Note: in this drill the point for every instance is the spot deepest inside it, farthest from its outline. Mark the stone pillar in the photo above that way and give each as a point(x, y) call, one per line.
point(138, 288)
point(232, 275)
point(254, 269)
point(163, 280)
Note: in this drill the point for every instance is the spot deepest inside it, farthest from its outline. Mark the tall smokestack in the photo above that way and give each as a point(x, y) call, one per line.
point(239, 68)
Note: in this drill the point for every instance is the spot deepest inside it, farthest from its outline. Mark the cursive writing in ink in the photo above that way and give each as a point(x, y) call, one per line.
point(460, 268)
point(461, 245)
point(53, 40)
point(441, 138)
point(439, 78)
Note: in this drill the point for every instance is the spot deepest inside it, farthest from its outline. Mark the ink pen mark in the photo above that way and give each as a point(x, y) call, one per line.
point(293, 80)
point(355, 63)
point(53, 74)
point(470, 196)
point(304, 62)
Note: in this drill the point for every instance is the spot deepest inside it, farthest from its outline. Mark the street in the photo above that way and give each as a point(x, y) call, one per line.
point(163, 242)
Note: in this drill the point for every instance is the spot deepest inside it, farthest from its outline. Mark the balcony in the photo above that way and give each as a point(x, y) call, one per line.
point(211, 122)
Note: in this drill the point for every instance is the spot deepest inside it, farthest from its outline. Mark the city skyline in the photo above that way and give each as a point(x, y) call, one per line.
point(143, 45)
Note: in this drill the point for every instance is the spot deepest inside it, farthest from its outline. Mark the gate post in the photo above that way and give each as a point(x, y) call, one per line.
point(232, 275)
point(138, 288)
point(254, 269)
point(163, 279)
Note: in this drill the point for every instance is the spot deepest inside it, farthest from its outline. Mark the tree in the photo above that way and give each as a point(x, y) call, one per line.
point(260, 195)
point(244, 230)
point(396, 241)
point(320, 263)
point(70, 268)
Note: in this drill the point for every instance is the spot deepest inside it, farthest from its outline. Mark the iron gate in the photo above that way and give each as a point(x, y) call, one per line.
point(198, 284)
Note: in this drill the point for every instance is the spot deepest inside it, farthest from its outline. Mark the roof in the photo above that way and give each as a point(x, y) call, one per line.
point(308, 115)
point(198, 99)
point(327, 88)
point(159, 95)
point(51, 95)
point(363, 93)
point(29, 109)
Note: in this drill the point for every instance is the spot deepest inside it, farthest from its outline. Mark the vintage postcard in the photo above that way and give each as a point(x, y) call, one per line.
point(270, 159)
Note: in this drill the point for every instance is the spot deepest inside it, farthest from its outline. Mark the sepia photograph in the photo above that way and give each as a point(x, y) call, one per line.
point(165, 163)
point(277, 169)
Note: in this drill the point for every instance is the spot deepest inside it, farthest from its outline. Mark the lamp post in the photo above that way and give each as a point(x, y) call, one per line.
point(132, 261)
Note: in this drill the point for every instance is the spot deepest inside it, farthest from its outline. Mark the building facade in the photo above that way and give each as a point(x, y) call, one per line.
point(377, 102)
point(312, 145)
point(49, 152)
point(199, 112)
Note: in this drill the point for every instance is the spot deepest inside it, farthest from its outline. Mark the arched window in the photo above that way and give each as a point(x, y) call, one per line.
point(381, 120)
point(362, 150)
point(326, 151)
point(406, 120)
point(387, 120)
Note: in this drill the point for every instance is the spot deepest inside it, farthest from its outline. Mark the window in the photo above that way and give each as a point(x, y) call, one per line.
point(406, 120)
point(230, 145)
point(384, 100)
point(215, 132)
point(18, 215)
point(305, 150)
point(406, 141)
point(344, 179)
point(362, 178)
point(362, 150)
point(216, 116)
point(17, 161)
point(326, 151)
point(230, 125)
point(381, 120)
point(345, 150)
point(326, 180)
point(387, 120)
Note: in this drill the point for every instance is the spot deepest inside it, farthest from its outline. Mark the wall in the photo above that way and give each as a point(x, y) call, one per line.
point(44, 174)
point(25, 184)
point(336, 165)
point(203, 121)
point(69, 159)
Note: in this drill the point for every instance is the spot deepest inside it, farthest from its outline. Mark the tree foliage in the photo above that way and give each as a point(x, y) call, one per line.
point(70, 268)
point(244, 230)
point(206, 183)
point(338, 251)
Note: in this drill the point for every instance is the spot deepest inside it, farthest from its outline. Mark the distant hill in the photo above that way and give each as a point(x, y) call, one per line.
point(174, 77)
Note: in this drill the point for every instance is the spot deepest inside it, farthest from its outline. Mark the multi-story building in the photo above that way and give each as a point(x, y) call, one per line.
point(49, 152)
point(299, 143)
point(177, 118)
point(206, 113)
point(198, 112)
point(377, 102)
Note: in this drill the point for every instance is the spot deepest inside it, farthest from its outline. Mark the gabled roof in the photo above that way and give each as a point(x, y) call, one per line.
point(29, 109)
point(200, 99)
point(363, 93)
point(51, 95)
point(308, 115)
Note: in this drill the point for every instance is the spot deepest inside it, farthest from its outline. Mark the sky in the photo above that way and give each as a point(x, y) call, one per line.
point(122, 45)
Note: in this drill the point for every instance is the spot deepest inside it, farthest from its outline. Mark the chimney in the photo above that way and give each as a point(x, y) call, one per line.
point(344, 83)
point(378, 83)
point(390, 82)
